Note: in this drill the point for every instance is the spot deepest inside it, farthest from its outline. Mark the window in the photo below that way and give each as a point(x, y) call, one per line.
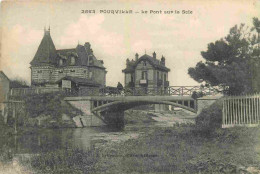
point(144, 75)
point(90, 74)
point(165, 77)
point(158, 75)
point(60, 71)
point(144, 63)
point(85, 71)
point(72, 60)
point(72, 70)
point(39, 71)
point(61, 62)
point(132, 78)
point(90, 59)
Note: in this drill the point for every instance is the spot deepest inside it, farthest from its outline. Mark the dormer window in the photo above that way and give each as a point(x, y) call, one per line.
point(90, 59)
point(144, 63)
point(72, 61)
point(61, 62)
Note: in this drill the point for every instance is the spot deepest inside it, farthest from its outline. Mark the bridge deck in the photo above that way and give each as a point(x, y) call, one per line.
point(130, 98)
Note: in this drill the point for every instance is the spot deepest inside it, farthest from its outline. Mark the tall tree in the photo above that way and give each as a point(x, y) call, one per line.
point(228, 61)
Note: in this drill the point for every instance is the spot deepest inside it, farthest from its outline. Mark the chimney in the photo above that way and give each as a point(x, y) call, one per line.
point(163, 61)
point(127, 61)
point(136, 56)
point(154, 55)
point(87, 45)
point(47, 32)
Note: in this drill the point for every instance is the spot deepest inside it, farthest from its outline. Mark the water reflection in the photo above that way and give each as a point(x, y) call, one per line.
point(82, 138)
point(52, 139)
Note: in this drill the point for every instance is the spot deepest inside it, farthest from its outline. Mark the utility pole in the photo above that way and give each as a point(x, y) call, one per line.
point(15, 117)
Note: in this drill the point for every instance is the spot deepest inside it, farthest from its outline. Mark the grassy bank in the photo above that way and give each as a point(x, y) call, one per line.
point(181, 149)
point(138, 116)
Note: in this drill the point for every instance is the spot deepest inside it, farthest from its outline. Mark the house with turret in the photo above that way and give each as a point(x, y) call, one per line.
point(69, 68)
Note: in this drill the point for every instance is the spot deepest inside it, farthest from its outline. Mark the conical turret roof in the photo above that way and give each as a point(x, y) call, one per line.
point(46, 53)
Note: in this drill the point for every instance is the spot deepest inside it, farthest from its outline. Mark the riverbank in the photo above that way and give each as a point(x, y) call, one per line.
point(179, 149)
point(172, 144)
point(182, 149)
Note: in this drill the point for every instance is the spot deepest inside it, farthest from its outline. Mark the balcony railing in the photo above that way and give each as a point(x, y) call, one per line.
point(143, 82)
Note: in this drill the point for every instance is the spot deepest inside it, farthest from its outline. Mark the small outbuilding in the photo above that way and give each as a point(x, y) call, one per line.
point(4, 86)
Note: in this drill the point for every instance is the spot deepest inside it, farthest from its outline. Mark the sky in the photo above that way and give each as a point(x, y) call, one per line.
point(180, 38)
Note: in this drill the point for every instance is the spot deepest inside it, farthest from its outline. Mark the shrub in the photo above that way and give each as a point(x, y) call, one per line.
point(210, 118)
point(65, 161)
point(49, 104)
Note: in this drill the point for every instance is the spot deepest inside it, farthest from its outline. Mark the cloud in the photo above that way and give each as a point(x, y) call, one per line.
point(18, 47)
point(89, 29)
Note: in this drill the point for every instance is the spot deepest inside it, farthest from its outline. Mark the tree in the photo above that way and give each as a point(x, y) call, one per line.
point(18, 83)
point(228, 61)
point(119, 87)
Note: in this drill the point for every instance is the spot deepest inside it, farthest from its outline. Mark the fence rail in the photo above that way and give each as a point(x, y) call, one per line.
point(241, 111)
point(28, 91)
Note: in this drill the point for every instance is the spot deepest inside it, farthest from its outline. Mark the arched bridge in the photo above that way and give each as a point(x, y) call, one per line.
point(123, 103)
point(111, 109)
point(109, 104)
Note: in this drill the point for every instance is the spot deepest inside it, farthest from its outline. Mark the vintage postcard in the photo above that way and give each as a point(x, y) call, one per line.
point(117, 86)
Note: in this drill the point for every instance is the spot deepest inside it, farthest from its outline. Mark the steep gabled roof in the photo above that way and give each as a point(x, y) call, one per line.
point(1, 72)
point(154, 62)
point(46, 53)
point(82, 55)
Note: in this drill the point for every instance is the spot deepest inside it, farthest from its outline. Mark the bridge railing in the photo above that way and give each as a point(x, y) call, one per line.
point(144, 91)
point(112, 91)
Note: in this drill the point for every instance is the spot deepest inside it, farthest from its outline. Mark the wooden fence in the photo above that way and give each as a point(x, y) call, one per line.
point(241, 111)
point(36, 90)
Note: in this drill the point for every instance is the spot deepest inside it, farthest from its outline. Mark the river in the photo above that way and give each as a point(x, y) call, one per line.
point(82, 138)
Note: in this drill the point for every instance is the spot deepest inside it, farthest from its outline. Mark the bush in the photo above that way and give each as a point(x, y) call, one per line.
point(65, 161)
point(210, 118)
point(49, 104)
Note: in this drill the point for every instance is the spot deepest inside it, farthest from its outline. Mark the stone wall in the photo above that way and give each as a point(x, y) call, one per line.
point(98, 75)
point(41, 74)
point(73, 71)
point(87, 119)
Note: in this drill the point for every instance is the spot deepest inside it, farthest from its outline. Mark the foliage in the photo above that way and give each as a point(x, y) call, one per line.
point(18, 83)
point(65, 161)
point(180, 149)
point(130, 85)
point(196, 95)
point(210, 118)
point(229, 62)
point(49, 104)
point(119, 86)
